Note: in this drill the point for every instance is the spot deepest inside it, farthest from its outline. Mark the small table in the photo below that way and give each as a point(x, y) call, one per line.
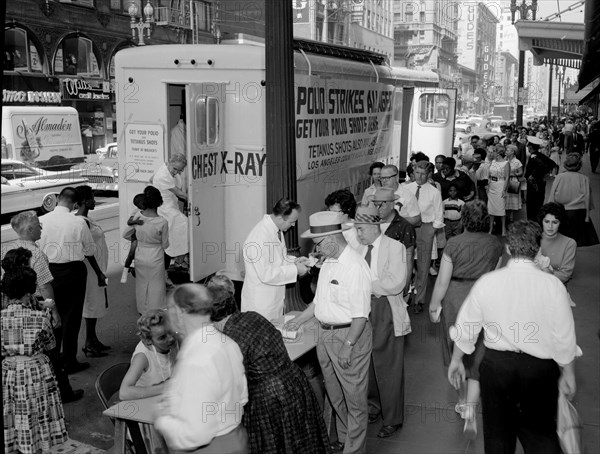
point(142, 410)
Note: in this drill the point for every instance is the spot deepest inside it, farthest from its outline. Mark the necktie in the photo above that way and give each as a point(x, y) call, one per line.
point(279, 234)
point(368, 256)
point(418, 192)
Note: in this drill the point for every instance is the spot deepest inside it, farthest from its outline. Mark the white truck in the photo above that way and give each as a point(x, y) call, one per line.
point(348, 115)
point(46, 137)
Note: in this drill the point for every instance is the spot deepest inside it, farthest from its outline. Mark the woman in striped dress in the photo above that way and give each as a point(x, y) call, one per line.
point(32, 408)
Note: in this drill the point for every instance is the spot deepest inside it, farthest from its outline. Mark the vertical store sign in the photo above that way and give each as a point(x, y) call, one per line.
point(467, 32)
point(144, 151)
point(486, 73)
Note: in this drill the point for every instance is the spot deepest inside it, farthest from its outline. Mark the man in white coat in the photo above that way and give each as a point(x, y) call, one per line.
point(268, 267)
point(389, 319)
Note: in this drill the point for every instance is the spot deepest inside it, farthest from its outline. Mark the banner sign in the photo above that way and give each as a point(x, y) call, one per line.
point(340, 123)
point(144, 151)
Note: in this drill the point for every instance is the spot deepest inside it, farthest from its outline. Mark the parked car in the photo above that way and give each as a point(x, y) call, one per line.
point(103, 175)
point(25, 187)
point(460, 132)
point(463, 125)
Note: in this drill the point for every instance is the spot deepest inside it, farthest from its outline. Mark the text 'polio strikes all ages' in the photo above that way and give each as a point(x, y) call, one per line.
point(225, 162)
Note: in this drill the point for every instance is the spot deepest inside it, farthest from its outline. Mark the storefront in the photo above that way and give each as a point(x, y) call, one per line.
point(30, 89)
point(93, 100)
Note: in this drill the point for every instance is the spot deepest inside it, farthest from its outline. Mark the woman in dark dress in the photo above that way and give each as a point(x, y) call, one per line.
point(282, 414)
point(466, 258)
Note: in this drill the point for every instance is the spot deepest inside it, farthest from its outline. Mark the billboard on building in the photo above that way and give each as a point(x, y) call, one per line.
point(467, 35)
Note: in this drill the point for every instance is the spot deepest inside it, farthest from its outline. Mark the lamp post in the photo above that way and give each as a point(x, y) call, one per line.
point(566, 84)
point(141, 24)
point(523, 10)
point(560, 72)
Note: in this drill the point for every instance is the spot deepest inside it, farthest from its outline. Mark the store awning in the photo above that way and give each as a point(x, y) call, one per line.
point(557, 43)
point(590, 66)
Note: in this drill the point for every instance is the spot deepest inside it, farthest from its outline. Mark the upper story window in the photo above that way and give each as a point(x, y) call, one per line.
point(20, 53)
point(88, 3)
point(75, 56)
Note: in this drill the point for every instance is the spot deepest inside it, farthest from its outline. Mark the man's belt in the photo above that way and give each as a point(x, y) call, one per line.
point(329, 327)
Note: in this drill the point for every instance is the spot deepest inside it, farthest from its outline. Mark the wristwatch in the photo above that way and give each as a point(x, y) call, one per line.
point(349, 343)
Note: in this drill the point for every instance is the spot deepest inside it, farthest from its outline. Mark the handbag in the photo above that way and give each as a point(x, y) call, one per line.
point(568, 427)
point(513, 185)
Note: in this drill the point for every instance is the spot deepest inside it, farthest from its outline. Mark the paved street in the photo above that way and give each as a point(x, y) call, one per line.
point(431, 424)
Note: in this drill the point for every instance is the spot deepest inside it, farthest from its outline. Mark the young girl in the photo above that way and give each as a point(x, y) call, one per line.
point(152, 363)
point(134, 219)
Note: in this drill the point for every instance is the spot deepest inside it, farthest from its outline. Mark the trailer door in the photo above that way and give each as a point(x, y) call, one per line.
point(432, 121)
point(206, 193)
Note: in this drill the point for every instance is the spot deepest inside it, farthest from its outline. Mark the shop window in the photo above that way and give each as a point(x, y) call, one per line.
point(20, 53)
point(76, 56)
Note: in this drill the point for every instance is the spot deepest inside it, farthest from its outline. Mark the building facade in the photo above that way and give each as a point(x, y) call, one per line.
point(61, 52)
point(477, 49)
point(363, 24)
point(506, 72)
point(425, 37)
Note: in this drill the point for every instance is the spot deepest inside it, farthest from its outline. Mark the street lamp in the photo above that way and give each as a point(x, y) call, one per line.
point(141, 24)
point(560, 73)
point(523, 10)
point(566, 84)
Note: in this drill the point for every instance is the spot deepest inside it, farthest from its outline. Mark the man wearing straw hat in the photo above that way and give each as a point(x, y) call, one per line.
point(341, 306)
point(389, 319)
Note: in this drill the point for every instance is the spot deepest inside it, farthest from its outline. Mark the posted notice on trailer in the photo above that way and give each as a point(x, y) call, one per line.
point(144, 151)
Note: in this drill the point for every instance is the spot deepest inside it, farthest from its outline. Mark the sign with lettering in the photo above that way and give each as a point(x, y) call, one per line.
point(39, 137)
point(31, 97)
point(467, 35)
point(341, 123)
point(85, 89)
point(144, 151)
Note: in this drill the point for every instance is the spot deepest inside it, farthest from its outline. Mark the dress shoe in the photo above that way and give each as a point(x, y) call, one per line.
point(73, 396)
point(373, 417)
point(387, 431)
point(100, 346)
point(73, 368)
point(336, 446)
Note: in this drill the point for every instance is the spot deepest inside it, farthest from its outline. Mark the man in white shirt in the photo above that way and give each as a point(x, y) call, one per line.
point(67, 242)
point(341, 306)
point(407, 203)
point(268, 268)
point(389, 319)
point(529, 335)
point(432, 219)
point(201, 408)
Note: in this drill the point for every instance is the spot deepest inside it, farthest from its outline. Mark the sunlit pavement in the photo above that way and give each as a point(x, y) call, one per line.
point(431, 425)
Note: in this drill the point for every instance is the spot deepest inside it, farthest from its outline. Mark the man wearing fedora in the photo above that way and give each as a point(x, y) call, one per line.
point(341, 305)
point(395, 226)
point(389, 320)
point(267, 265)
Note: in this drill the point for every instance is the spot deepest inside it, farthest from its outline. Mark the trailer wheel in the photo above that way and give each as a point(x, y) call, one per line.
point(49, 203)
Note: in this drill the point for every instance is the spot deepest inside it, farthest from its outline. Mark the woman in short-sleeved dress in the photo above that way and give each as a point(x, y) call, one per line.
point(32, 408)
point(513, 201)
point(498, 174)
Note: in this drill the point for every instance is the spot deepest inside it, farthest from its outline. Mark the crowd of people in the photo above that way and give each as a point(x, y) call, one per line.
point(370, 268)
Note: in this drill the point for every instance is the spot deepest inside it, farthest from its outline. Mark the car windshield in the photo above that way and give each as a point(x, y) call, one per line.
point(16, 171)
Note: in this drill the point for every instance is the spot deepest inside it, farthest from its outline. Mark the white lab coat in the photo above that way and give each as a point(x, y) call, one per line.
point(268, 270)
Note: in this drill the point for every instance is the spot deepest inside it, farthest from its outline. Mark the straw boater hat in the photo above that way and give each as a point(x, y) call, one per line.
point(536, 141)
point(383, 195)
point(367, 215)
point(323, 223)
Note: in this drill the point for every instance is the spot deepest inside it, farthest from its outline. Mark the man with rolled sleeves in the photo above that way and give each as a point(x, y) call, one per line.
point(67, 242)
point(432, 218)
point(389, 319)
point(341, 306)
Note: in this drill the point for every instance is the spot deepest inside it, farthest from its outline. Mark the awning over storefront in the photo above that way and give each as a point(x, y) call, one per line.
point(590, 67)
point(557, 43)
